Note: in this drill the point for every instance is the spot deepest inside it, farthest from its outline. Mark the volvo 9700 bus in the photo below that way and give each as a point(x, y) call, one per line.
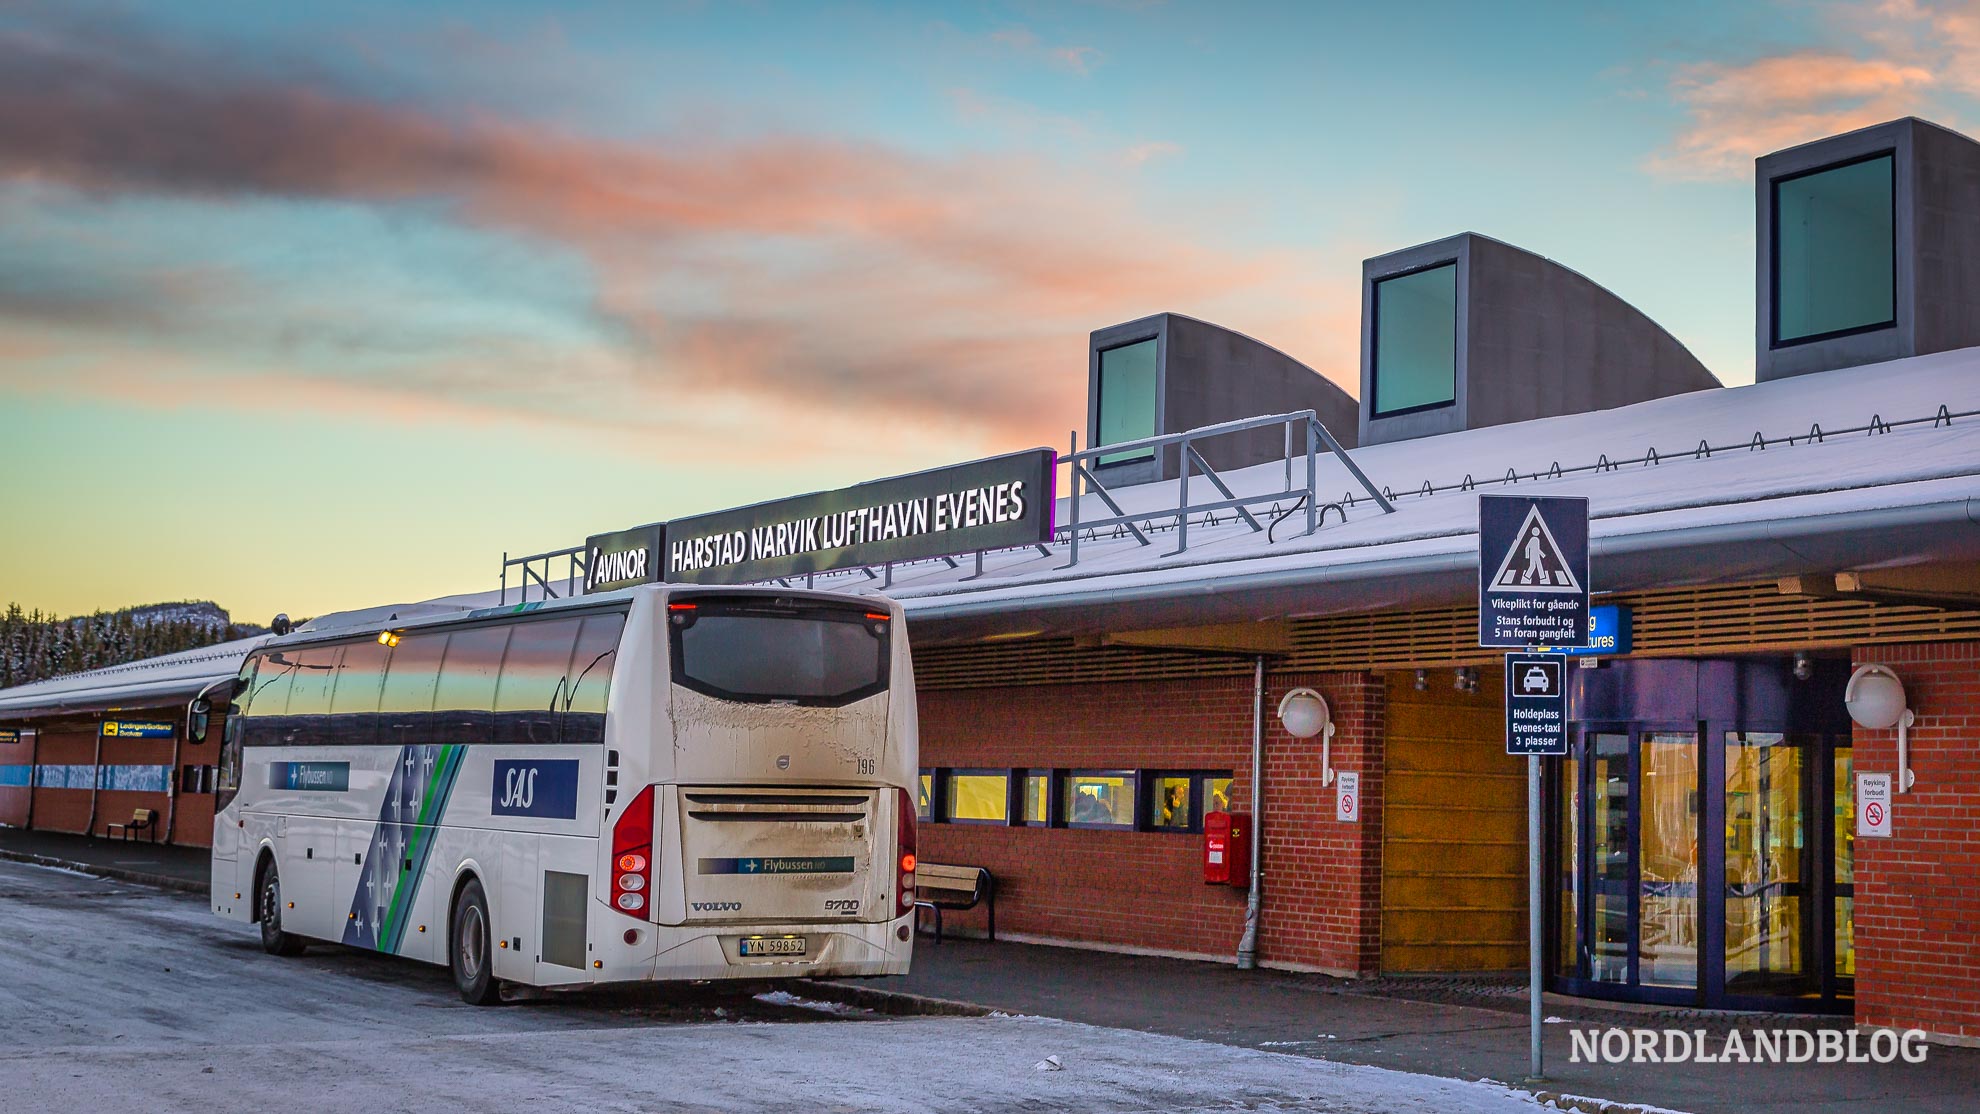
point(665, 782)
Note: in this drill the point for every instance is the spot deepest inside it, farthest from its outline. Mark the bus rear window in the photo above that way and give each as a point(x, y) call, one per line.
point(765, 649)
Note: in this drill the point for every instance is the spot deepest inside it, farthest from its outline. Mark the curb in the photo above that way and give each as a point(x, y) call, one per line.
point(894, 1003)
point(121, 874)
point(1586, 1105)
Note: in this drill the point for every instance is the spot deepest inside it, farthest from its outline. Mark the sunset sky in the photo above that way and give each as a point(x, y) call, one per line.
point(305, 307)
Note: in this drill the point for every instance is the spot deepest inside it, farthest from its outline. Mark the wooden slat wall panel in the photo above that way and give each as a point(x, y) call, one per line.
point(1453, 830)
point(1679, 621)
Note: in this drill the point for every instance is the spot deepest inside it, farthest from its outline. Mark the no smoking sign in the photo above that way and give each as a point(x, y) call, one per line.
point(1873, 805)
point(1347, 798)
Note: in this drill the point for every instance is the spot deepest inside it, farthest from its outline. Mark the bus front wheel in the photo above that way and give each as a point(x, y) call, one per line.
point(268, 899)
point(470, 955)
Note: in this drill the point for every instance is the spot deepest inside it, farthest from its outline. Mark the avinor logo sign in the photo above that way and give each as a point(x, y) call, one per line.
point(624, 558)
point(985, 504)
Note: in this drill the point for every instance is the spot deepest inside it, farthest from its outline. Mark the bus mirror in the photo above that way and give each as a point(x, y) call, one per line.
point(196, 725)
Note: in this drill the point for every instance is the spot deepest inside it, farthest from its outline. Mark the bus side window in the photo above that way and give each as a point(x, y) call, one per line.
point(532, 684)
point(464, 703)
point(267, 699)
point(405, 706)
point(227, 780)
point(591, 678)
point(354, 699)
point(307, 721)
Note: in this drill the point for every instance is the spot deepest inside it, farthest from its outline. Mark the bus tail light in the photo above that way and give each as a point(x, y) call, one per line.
point(632, 853)
point(904, 852)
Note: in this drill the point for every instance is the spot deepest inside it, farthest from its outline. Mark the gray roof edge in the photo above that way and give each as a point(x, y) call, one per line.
point(100, 699)
point(1850, 525)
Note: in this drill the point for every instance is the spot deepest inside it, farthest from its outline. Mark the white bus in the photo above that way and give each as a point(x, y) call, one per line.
point(666, 782)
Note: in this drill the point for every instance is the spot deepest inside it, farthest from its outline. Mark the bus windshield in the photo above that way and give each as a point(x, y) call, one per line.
point(773, 649)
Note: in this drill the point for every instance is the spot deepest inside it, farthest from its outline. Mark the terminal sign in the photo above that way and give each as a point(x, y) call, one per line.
point(9, 735)
point(1608, 633)
point(1536, 704)
point(624, 558)
point(1532, 570)
point(136, 729)
point(985, 504)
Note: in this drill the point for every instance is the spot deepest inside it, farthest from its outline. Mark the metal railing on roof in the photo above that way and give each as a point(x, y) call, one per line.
point(573, 580)
point(1314, 434)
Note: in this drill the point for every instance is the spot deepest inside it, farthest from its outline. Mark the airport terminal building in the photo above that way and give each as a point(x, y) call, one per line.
point(1239, 529)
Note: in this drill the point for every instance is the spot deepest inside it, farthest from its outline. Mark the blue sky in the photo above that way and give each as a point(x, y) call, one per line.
point(306, 307)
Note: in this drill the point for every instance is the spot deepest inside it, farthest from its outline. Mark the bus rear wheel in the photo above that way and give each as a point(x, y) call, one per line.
point(268, 906)
point(470, 953)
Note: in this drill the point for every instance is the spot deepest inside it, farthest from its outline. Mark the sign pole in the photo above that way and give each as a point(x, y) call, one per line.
point(1533, 590)
point(1533, 905)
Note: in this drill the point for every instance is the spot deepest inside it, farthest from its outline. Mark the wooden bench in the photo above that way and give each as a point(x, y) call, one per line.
point(939, 886)
point(142, 820)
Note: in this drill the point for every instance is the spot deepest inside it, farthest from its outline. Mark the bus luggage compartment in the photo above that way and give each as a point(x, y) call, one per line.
point(776, 854)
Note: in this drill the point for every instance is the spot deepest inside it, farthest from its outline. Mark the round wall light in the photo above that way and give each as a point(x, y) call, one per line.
point(1304, 714)
point(1875, 699)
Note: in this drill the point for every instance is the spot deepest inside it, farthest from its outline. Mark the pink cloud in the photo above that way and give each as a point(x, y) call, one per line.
point(791, 277)
point(1741, 112)
point(1025, 42)
point(1906, 58)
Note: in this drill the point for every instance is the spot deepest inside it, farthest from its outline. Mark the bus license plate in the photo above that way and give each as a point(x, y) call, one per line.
point(773, 945)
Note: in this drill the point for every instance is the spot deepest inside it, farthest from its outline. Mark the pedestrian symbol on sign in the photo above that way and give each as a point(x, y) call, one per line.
point(1534, 562)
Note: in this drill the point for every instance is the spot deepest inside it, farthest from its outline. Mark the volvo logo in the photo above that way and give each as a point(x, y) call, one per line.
point(783, 761)
point(715, 906)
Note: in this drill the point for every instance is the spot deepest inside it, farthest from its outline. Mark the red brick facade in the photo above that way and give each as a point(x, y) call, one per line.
point(1917, 901)
point(184, 817)
point(1145, 890)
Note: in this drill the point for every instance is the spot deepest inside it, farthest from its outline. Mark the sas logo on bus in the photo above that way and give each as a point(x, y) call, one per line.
point(543, 787)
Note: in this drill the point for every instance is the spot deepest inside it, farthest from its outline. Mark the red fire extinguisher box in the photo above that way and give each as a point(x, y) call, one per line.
point(1226, 849)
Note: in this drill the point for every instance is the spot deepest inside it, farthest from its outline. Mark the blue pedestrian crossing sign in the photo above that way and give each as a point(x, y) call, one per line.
point(1532, 570)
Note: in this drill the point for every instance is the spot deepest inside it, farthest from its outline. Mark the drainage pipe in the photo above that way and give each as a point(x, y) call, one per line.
point(1247, 956)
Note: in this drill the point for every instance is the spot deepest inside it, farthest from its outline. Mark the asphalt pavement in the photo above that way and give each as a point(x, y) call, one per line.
point(123, 997)
point(1457, 1028)
point(1461, 1028)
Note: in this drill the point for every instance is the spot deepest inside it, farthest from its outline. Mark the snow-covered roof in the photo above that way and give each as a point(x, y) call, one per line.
point(1844, 469)
point(139, 683)
point(1776, 476)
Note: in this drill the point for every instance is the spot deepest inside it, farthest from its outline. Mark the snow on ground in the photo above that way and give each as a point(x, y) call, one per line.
point(907, 1065)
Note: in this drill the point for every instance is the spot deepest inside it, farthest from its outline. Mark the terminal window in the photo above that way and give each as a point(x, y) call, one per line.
point(979, 796)
point(1835, 255)
point(1037, 797)
point(1100, 798)
point(1127, 399)
point(1414, 363)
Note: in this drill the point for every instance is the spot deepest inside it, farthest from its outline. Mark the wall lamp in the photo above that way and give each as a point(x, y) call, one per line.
point(1303, 713)
point(1875, 699)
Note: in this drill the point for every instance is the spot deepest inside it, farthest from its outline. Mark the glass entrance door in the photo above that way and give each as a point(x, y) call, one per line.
point(1768, 863)
point(1699, 875)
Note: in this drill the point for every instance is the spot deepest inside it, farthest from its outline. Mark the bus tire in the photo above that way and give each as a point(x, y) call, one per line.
point(268, 910)
point(470, 949)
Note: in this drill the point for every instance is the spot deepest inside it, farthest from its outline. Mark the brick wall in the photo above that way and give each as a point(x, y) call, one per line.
point(1917, 905)
point(1145, 889)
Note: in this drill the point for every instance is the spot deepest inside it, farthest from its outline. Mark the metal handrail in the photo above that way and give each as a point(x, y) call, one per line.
point(1084, 481)
point(576, 572)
